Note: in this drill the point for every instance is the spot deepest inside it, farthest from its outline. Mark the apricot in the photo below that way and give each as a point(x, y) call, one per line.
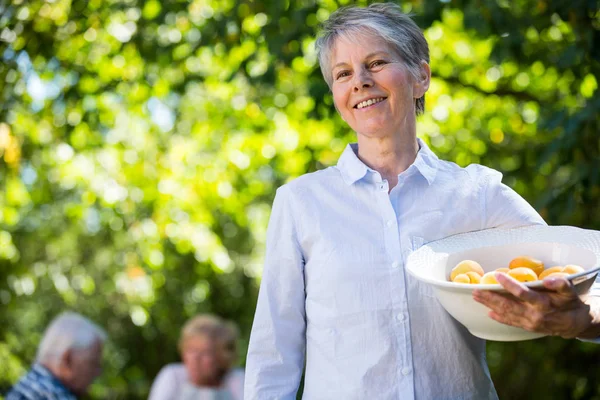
point(527, 262)
point(490, 277)
point(505, 270)
point(572, 269)
point(466, 266)
point(549, 271)
point(523, 274)
point(474, 277)
point(461, 278)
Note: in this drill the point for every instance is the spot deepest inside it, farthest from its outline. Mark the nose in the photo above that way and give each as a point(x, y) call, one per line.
point(207, 360)
point(206, 356)
point(362, 80)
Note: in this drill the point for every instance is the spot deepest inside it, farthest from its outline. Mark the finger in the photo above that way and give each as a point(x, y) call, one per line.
point(563, 325)
point(509, 310)
point(504, 304)
point(503, 319)
point(559, 285)
point(519, 321)
point(516, 288)
point(491, 297)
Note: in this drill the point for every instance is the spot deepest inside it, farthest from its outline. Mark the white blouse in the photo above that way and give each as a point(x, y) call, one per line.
point(172, 383)
point(335, 294)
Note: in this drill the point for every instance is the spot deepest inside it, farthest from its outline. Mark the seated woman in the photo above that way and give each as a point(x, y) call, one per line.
point(208, 350)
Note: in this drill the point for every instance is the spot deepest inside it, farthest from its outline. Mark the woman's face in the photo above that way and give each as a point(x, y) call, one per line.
point(368, 69)
point(201, 357)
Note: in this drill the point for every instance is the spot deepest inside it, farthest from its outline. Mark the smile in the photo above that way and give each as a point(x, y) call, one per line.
point(369, 102)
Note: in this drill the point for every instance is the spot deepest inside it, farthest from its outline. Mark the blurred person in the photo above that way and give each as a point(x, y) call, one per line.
point(208, 348)
point(335, 300)
point(68, 360)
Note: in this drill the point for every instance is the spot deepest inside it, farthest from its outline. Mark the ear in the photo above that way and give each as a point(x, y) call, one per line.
point(66, 362)
point(422, 82)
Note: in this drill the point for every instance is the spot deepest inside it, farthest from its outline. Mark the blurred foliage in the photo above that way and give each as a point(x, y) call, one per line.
point(141, 143)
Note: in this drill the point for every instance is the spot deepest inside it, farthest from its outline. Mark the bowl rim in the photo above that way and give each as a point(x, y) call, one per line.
point(580, 276)
point(496, 286)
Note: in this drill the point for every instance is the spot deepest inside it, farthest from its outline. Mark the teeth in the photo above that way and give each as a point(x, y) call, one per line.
point(369, 102)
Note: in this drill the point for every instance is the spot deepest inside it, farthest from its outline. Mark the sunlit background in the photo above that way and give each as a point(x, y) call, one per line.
point(141, 143)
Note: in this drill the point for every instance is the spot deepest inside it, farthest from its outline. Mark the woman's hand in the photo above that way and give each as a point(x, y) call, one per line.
point(557, 311)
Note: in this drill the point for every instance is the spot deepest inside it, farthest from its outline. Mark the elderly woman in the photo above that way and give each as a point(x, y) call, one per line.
point(208, 350)
point(335, 298)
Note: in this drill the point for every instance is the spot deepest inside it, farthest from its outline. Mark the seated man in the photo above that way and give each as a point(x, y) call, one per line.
point(68, 360)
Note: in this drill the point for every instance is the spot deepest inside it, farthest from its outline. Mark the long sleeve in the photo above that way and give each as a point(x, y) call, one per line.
point(503, 207)
point(277, 341)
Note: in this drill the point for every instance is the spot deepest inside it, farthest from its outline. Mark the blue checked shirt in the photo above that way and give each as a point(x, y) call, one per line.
point(336, 296)
point(39, 384)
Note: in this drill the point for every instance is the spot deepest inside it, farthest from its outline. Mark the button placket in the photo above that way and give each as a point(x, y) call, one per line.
point(400, 322)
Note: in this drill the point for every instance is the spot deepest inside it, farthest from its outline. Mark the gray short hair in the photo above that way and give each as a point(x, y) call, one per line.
point(385, 20)
point(207, 325)
point(66, 332)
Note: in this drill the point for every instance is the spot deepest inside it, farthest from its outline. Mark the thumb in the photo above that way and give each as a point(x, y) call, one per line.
point(560, 285)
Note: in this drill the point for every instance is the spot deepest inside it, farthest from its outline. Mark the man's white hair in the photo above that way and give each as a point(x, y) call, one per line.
point(68, 331)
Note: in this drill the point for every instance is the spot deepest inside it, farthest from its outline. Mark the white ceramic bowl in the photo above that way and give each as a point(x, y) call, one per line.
point(495, 248)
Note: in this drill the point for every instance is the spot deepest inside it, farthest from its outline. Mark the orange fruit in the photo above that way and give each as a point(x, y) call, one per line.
point(461, 278)
point(466, 266)
point(527, 262)
point(523, 274)
point(572, 269)
point(549, 271)
point(474, 277)
point(490, 278)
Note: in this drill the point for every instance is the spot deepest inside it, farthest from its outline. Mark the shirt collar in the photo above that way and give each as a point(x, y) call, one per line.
point(350, 166)
point(57, 384)
point(353, 169)
point(426, 162)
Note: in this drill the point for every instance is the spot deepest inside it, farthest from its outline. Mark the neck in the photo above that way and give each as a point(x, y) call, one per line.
point(54, 369)
point(208, 383)
point(389, 155)
point(59, 373)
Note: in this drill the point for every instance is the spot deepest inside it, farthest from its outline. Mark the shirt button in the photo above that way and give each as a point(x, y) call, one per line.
point(396, 264)
point(400, 317)
point(405, 371)
point(390, 223)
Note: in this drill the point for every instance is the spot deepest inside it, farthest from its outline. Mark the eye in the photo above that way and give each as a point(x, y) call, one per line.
point(377, 63)
point(342, 74)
